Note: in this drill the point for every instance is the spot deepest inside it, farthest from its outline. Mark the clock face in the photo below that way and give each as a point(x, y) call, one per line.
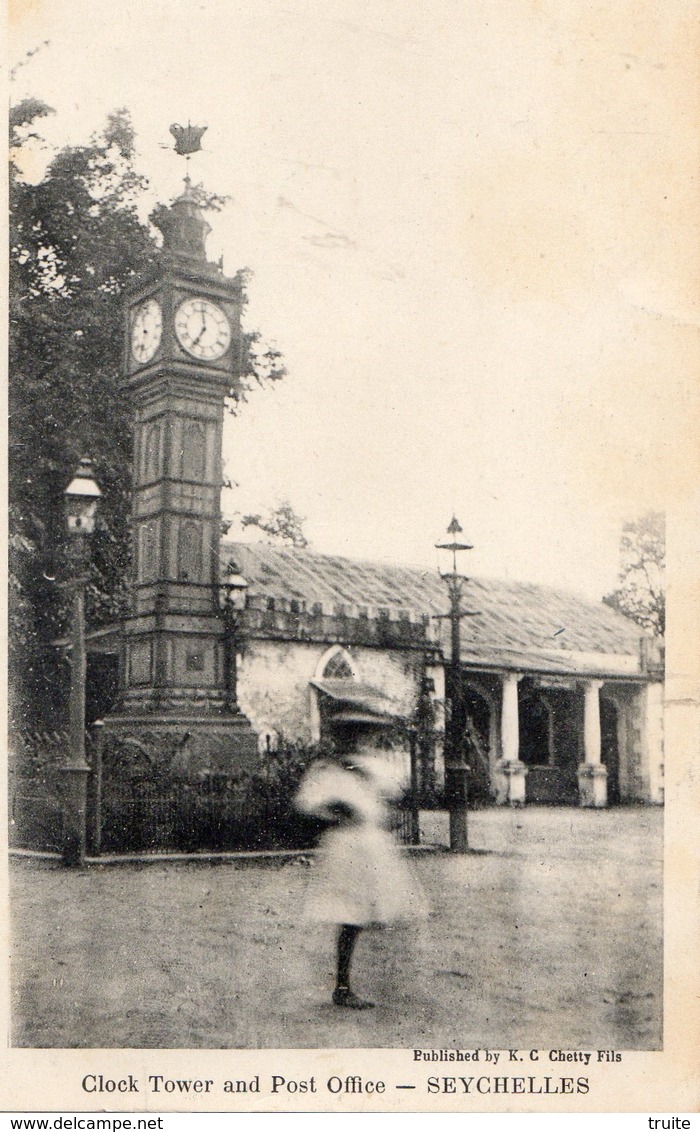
point(202, 329)
point(146, 331)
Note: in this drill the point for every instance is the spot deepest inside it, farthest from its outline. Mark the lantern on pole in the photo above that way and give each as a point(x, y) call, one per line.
point(233, 596)
point(81, 498)
point(456, 769)
point(81, 502)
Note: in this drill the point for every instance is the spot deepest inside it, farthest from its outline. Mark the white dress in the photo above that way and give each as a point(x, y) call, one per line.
point(360, 876)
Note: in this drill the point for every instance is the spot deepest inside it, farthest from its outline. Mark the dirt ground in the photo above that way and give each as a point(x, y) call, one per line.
point(549, 935)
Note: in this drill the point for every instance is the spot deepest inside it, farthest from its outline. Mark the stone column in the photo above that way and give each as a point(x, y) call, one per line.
point(592, 775)
point(510, 772)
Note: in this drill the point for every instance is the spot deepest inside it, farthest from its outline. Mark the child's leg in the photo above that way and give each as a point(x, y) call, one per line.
point(342, 995)
point(347, 938)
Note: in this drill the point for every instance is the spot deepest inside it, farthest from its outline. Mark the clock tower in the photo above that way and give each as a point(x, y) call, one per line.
point(182, 357)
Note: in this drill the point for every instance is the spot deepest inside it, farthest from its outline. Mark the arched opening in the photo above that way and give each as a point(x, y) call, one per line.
point(338, 667)
point(549, 725)
point(148, 551)
point(477, 743)
point(610, 748)
point(190, 556)
point(193, 451)
point(535, 721)
point(344, 723)
point(152, 454)
point(351, 714)
point(336, 664)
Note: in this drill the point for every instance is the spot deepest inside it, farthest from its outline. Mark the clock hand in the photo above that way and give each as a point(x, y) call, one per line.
point(203, 330)
point(196, 340)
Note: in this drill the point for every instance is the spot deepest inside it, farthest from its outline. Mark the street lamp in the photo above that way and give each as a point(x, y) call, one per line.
point(233, 593)
point(81, 498)
point(456, 769)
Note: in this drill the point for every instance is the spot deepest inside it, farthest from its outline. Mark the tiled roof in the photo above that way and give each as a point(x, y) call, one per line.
point(516, 619)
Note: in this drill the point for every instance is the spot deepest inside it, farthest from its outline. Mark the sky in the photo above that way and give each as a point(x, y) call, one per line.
point(468, 230)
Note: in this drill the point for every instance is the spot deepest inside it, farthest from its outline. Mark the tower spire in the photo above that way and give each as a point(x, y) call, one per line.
point(183, 225)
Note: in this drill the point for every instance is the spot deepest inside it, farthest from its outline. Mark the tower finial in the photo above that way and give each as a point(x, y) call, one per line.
point(188, 140)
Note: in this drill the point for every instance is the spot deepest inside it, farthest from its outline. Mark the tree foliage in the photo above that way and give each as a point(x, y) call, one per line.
point(76, 243)
point(281, 524)
point(641, 593)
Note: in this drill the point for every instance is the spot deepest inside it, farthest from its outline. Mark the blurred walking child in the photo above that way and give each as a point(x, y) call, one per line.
point(361, 879)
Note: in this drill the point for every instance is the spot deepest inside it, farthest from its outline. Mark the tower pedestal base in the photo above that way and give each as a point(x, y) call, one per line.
point(186, 746)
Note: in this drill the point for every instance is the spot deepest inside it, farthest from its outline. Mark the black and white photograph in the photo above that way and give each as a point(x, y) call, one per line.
point(352, 401)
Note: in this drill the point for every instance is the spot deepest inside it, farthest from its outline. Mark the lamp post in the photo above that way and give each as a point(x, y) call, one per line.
point(233, 602)
point(81, 498)
point(456, 769)
point(415, 806)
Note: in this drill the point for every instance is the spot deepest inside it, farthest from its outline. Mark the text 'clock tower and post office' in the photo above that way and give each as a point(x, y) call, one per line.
point(182, 358)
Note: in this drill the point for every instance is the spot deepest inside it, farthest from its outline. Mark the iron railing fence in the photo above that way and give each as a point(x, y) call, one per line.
point(35, 816)
point(153, 811)
point(212, 814)
point(181, 818)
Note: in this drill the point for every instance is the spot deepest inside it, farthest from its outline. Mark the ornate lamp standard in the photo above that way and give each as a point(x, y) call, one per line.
point(456, 769)
point(233, 602)
point(81, 498)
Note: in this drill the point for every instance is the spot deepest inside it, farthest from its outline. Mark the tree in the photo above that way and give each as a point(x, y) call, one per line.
point(281, 524)
point(641, 593)
point(76, 243)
